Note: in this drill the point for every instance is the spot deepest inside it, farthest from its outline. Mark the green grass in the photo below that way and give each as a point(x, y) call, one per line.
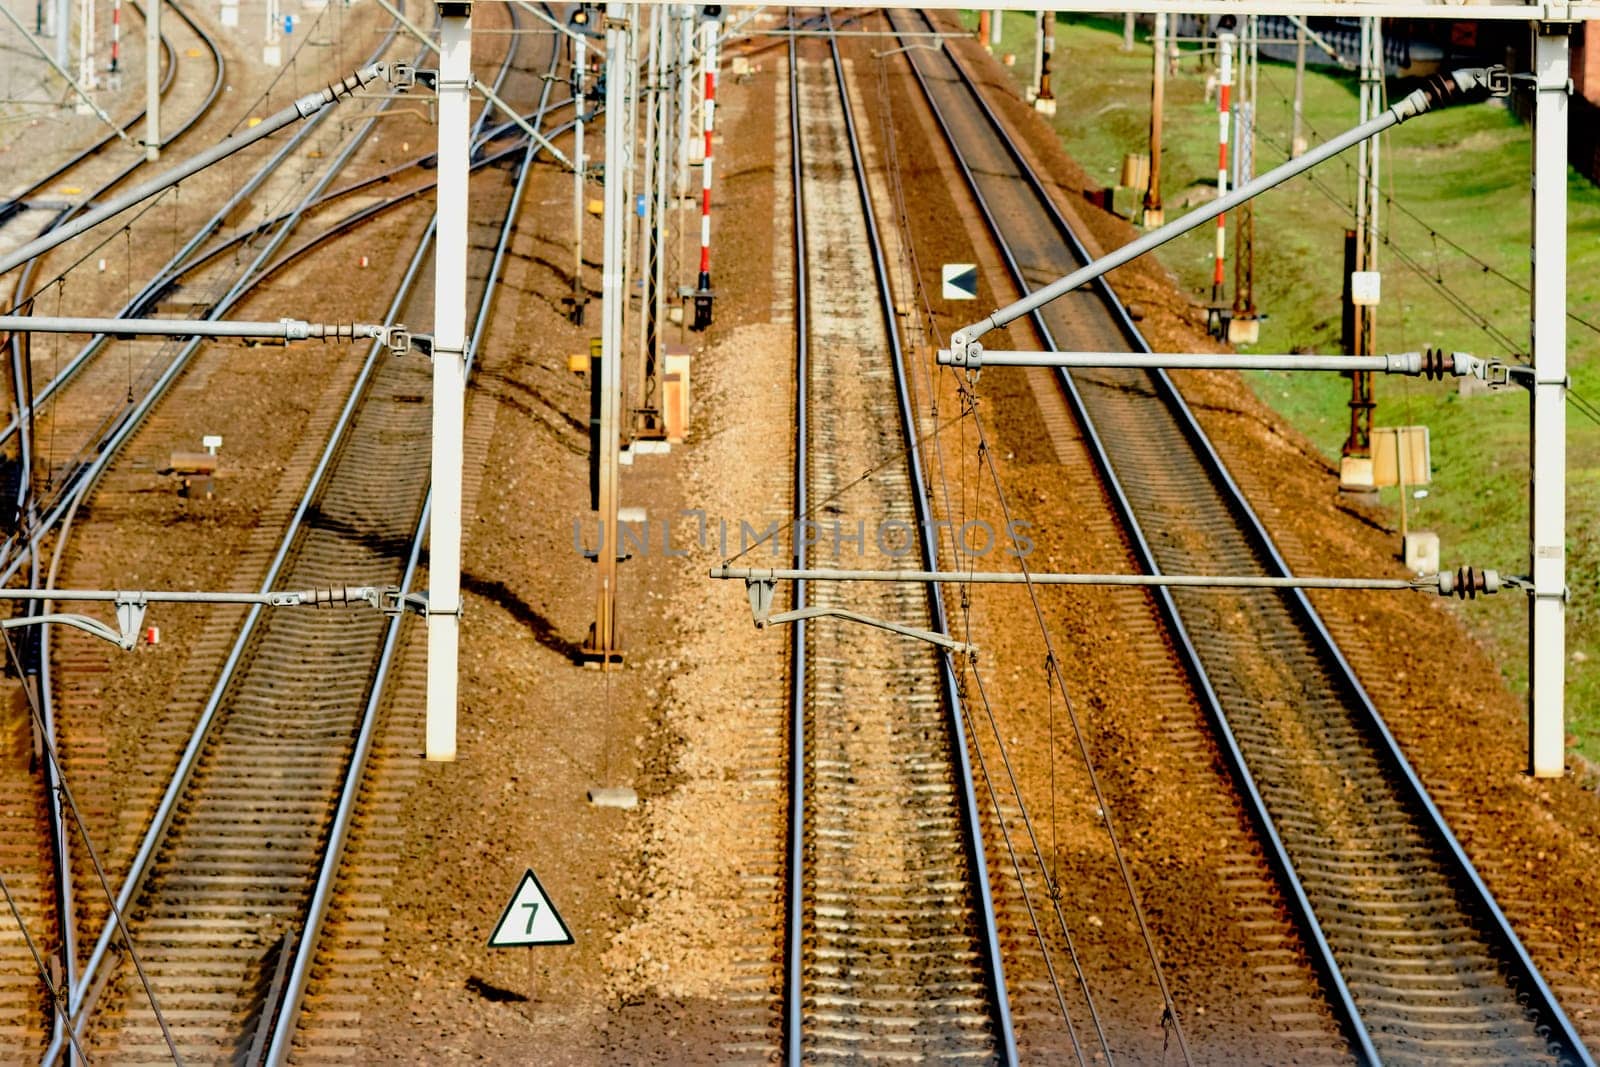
point(1465, 173)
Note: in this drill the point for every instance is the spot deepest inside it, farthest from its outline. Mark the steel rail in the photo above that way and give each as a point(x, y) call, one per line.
point(966, 799)
point(971, 819)
point(282, 1024)
point(1145, 555)
point(22, 380)
point(356, 218)
point(115, 429)
point(305, 955)
point(794, 935)
point(1555, 1024)
point(182, 265)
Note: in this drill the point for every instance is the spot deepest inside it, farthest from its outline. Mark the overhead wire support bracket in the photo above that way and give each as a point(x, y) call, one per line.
point(1439, 90)
point(1431, 363)
point(1464, 582)
point(302, 108)
point(488, 93)
point(130, 605)
point(397, 339)
point(760, 591)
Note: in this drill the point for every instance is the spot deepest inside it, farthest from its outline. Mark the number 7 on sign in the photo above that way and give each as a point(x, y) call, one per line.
point(530, 919)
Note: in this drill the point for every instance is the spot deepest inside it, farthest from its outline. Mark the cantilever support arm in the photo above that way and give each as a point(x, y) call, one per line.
point(302, 108)
point(1433, 363)
point(760, 589)
point(395, 338)
point(488, 94)
point(1463, 582)
point(1438, 91)
point(130, 605)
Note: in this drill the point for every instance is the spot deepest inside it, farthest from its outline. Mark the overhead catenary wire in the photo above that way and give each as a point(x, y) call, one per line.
point(71, 805)
point(1461, 303)
point(56, 993)
point(919, 380)
point(936, 467)
point(1170, 1009)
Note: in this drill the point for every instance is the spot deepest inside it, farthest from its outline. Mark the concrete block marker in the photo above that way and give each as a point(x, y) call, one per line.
point(960, 281)
point(614, 796)
point(530, 918)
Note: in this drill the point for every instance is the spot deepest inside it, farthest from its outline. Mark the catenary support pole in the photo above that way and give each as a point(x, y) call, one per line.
point(63, 30)
point(602, 643)
point(1297, 132)
point(996, 25)
point(271, 50)
point(1355, 455)
point(1044, 100)
point(1154, 215)
point(1032, 91)
point(685, 83)
point(152, 80)
point(1548, 535)
point(644, 421)
point(658, 229)
point(449, 376)
point(86, 74)
point(1128, 22)
point(1244, 327)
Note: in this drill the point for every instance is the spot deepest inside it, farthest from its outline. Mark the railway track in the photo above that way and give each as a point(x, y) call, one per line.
point(38, 843)
point(228, 929)
point(891, 945)
point(1419, 962)
point(89, 745)
point(89, 166)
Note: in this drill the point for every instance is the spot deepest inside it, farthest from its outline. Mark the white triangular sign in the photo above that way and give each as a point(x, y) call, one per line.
point(530, 919)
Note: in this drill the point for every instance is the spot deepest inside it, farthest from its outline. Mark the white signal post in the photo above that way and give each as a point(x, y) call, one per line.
point(449, 377)
point(1548, 521)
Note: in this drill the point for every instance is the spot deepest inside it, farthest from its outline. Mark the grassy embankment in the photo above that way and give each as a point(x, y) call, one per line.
point(1463, 173)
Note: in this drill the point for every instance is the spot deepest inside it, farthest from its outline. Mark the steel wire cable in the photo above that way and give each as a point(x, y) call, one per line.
point(1461, 303)
point(922, 385)
point(1170, 1009)
point(71, 804)
point(986, 458)
point(1435, 277)
point(1434, 232)
point(38, 962)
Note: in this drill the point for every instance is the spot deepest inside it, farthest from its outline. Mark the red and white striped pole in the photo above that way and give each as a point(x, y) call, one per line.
point(1224, 85)
point(702, 295)
point(116, 37)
